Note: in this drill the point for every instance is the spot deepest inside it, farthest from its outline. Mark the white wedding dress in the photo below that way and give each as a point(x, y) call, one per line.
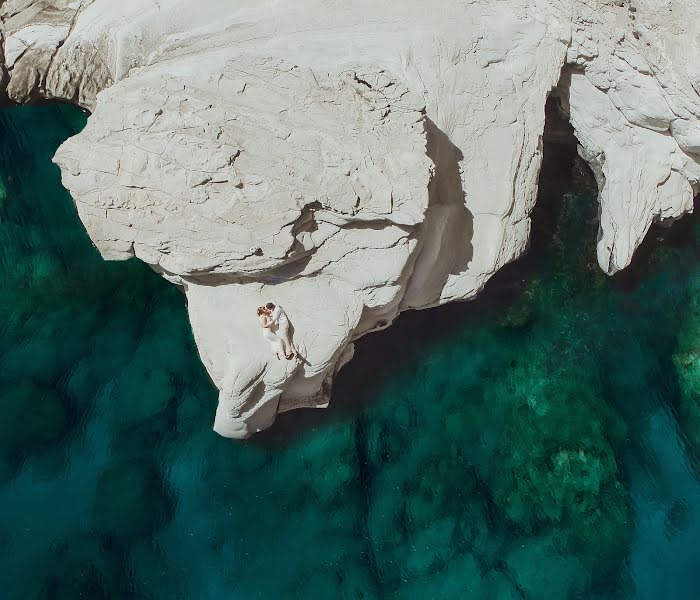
point(275, 341)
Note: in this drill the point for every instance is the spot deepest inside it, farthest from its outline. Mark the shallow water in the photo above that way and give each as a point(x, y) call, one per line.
point(530, 444)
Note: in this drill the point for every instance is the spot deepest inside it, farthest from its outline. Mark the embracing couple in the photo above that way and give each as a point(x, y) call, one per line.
point(275, 326)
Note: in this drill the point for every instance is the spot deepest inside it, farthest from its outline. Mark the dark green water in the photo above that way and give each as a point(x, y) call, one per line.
point(536, 443)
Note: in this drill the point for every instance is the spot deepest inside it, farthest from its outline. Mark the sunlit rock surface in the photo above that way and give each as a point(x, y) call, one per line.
point(349, 162)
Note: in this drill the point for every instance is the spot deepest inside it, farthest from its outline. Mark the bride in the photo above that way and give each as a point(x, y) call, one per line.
point(267, 323)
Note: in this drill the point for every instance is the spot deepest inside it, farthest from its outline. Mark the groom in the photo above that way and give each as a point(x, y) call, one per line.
point(279, 317)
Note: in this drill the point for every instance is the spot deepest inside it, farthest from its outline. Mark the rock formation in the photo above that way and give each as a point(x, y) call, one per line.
point(349, 161)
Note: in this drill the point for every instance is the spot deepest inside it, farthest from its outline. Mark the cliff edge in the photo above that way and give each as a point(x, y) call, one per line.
point(349, 162)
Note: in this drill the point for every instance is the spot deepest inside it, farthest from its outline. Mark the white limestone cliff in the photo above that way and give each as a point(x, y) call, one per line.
point(349, 160)
point(634, 102)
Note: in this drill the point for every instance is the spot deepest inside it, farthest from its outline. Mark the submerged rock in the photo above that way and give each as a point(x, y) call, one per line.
point(538, 568)
point(33, 417)
point(348, 169)
point(131, 501)
point(686, 360)
point(83, 566)
point(549, 455)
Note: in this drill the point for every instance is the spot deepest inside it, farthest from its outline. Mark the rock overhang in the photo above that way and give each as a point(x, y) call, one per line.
point(344, 166)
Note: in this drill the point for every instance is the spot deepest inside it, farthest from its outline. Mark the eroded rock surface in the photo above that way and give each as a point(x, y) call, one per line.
point(349, 162)
point(635, 107)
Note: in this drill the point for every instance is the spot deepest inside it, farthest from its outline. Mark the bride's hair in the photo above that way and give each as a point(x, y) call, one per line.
point(261, 310)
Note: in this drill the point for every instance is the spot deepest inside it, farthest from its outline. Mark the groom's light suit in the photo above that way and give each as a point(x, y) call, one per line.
point(282, 322)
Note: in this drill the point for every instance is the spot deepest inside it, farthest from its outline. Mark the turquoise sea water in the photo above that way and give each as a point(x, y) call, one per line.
point(536, 443)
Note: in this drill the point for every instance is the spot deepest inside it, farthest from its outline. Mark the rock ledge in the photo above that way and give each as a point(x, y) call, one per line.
point(350, 162)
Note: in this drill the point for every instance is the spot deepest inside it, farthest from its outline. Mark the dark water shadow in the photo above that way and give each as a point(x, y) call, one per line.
point(679, 235)
point(7, 103)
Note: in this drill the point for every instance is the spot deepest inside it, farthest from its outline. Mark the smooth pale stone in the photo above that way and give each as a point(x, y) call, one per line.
point(47, 37)
point(687, 134)
point(641, 181)
point(349, 160)
point(640, 100)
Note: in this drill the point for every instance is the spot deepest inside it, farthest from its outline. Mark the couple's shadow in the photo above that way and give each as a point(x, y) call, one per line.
point(290, 336)
point(300, 357)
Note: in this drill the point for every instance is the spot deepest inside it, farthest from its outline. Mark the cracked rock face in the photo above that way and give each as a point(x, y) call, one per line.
point(349, 162)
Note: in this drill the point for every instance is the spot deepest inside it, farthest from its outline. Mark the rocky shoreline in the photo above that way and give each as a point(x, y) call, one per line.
point(349, 163)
